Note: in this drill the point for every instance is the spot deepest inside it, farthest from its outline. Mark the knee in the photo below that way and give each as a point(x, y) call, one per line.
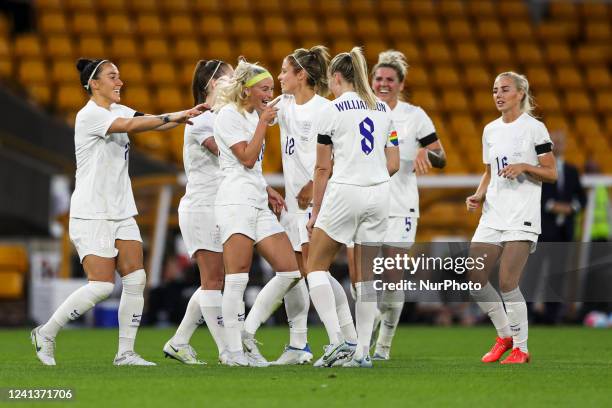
point(129, 267)
point(213, 284)
point(134, 283)
point(101, 290)
point(507, 285)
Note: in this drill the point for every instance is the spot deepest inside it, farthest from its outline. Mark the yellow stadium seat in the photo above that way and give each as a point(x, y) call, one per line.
point(421, 9)
point(187, 49)
point(556, 121)
point(568, 77)
point(186, 73)
point(513, 9)
point(609, 124)
point(112, 5)
point(459, 30)
point(594, 54)
point(32, 71)
point(5, 48)
point(156, 144)
point(155, 48)
point(598, 77)
point(131, 72)
point(593, 10)
point(123, 47)
point(451, 8)
point(305, 27)
point(480, 9)
point(425, 99)
point(237, 6)
point(368, 29)
point(373, 48)
point(179, 25)
point(168, 98)
point(462, 126)
point(52, 23)
point(279, 49)
point(519, 30)
point(59, 46)
point(548, 102)
point(445, 76)
point(143, 6)
point(437, 52)
point(148, 25)
point(5, 26)
point(27, 45)
point(587, 125)
point(454, 101)
point(79, 5)
point(6, 67)
point(138, 97)
point(91, 46)
point(563, 10)
point(410, 50)
point(577, 102)
point(361, 8)
point(207, 6)
point(528, 53)
point(41, 93)
point(49, 5)
point(489, 30)
point(243, 26)
point(11, 285)
point(558, 53)
point(85, 23)
point(477, 77)
point(268, 7)
point(300, 7)
point(498, 52)
point(603, 102)
point(539, 77)
point(337, 27)
point(275, 27)
point(549, 31)
point(70, 97)
point(598, 31)
point(398, 27)
point(63, 71)
point(391, 8)
point(468, 52)
point(117, 24)
point(428, 29)
point(329, 7)
point(162, 72)
point(341, 45)
point(417, 76)
point(176, 6)
point(252, 49)
point(483, 103)
point(220, 49)
point(210, 25)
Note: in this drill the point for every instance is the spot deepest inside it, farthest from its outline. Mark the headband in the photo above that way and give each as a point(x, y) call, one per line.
point(257, 78)
point(213, 75)
point(301, 66)
point(86, 86)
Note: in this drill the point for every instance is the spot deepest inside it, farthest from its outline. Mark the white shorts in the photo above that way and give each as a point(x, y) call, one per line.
point(255, 223)
point(97, 237)
point(498, 237)
point(295, 226)
point(200, 230)
point(401, 232)
point(356, 214)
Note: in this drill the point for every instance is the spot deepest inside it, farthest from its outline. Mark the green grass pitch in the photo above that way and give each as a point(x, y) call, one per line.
point(429, 367)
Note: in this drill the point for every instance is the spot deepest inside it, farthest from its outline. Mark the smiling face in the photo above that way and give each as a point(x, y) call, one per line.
point(289, 79)
point(107, 84)
point(506, 96)
point(260, 94)
point(386, 85)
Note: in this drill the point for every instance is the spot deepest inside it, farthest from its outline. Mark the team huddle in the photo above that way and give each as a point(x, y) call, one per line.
point(350, 166)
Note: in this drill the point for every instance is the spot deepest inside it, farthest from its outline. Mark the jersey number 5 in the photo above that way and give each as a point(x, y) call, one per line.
point(366, 128)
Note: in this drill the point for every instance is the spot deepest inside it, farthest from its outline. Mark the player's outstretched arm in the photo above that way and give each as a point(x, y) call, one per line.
point(150, 122)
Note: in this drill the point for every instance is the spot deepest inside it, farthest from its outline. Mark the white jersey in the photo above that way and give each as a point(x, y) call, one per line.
point(239, 185)
point(201, 165)
point(513, 204)
point(103, 190)
point(414, 129)
point(298, 143)
point(359, 136)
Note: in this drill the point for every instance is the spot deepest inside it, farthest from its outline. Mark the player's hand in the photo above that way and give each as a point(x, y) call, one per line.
point(268, 115)
point(304, 197)
point(184, 116)
point(310, 224)
point(276, 201)
point(421, 162)
point(473, 202)
point(512, 171)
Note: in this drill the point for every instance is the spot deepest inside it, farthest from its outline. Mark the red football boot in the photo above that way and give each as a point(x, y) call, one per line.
point(499, 348)
point(516, 357)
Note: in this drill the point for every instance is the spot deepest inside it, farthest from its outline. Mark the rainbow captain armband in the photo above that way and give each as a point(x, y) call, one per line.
point(393, 138)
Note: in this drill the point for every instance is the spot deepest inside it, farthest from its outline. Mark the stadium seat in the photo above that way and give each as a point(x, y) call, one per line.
point(77, 6)
point(206, 7)
point(556, 121)
point(341, 45)
point(587, 126)
point(306, 27)
point(549, 31)
point(558, 53)
point(445, 76)
point(598, 77)
point(417, 76)
point(168, 98)
point(27, 45)
point(138, 97)
point(391, 8)
point(329, 7)
point(593, 54)
point(603, 102)
point(568, 77)
point(337, 28)
point(425, 99)
point(454, 101)
point(428, 29)
point(268, 7)
point(482, 102)
point(70, 97)
point(300, 8)
point(41, 93)
point(52, 23)
point(410, 50)
point(513, 9)
point(368, 29)
point(92, 46)
point(64, 71)
point(437, 52)
point(186, 73)
point(148, 25)
point(563, 10)
point(220, 49)
point(143, 6)
point(539, 78)
point(275, 27)
point(117, 24)
point(163, 73)
point(451, 9)
point(528, 53)
point(131, 72)
point(592, 10)
point(237, 6)
point(180, 25)
point(577, 102)
point(598, 31)
point(459, 30)
point(186, 49)
point(372, 49)
point(279, 49)
point(519, 30)
point(468, 52)
point(176, 6)
point(483, 9)
point(397, 28)
point(548, 102)
point(59, 46)
point(123, 47)
point(6, 67)
point(32, 71)
point(243, 26)
point(489, 30)
point(477, 77)
point(498, 52)
point(252, 49)
point(211, 26)
point(156, 144)
point(85, 23)
point(112, 5)
point(420, 9)
point(46, 6)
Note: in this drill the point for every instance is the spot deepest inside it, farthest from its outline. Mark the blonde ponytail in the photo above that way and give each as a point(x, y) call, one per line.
point(354, 70)
point(233, 91)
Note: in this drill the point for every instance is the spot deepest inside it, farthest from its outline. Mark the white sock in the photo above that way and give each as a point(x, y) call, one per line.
point(491, 304)
point(365, 312)
point(130, 309)
point(297, 303)
point(322, 297)
point(343, 310)
point(391, 307)
point(191, 320)
point(269, 299)
point(232, 307)
point(517, 316)
point(210, 307)
point(76, 305)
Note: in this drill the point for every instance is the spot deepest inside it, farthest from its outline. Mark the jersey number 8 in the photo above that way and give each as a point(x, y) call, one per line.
point(366, 128)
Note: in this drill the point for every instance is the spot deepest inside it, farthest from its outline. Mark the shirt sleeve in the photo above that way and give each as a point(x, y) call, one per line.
point(228, 127)
point(325, 124)
point(485, 148)
point(392, 140)
point(541, 139)
point(426, 132)
point(98, 120)
point(203, 129)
